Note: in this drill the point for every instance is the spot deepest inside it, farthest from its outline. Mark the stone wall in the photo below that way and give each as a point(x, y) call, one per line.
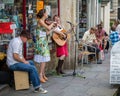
point(68, 13)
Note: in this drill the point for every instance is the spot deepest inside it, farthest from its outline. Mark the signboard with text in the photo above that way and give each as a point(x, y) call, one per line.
point(5, 28)
point(40, 5)
point(115, 64)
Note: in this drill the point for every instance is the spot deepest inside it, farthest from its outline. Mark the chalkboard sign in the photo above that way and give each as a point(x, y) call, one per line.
point(115, 64)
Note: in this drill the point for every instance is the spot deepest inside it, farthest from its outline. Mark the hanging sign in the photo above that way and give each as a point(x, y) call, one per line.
point(40, 5)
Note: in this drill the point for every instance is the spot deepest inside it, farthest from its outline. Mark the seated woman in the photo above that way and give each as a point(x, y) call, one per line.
point(100, 35)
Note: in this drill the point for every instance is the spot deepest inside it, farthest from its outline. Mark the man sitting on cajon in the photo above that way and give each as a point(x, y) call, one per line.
point(17, 62)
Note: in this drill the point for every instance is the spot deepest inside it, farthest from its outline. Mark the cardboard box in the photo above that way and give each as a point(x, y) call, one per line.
point(21, 80)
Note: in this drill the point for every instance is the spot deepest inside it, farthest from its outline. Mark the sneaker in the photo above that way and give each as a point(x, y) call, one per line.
point(41, 90)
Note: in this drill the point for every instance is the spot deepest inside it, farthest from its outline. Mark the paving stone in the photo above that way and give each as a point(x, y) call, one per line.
point(96, 83)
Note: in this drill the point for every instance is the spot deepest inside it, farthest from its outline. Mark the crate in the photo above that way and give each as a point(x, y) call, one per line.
point(21, 79)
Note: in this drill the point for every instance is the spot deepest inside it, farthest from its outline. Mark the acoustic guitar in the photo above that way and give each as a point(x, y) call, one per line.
point(59, 38)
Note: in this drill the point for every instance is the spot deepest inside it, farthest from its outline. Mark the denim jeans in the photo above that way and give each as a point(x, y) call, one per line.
point(31, 69)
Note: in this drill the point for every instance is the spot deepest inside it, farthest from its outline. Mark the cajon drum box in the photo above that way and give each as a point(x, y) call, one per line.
point(21, 80)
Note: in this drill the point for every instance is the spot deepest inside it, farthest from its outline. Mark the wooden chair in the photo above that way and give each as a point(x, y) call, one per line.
point(83, 51)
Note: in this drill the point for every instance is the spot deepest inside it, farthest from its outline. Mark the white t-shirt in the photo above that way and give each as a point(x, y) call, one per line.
point(88, 38)
point(15, 46)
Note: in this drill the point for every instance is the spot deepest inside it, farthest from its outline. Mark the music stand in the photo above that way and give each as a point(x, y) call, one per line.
point(74, 67)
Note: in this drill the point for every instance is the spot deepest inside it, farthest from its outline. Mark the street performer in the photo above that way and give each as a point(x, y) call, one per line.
point(61, 50)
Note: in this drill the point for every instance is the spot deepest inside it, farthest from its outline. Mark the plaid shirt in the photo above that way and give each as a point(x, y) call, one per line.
point(114, 37)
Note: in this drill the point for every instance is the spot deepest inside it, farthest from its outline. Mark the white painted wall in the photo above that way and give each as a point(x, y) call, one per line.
point(68, 13)
point(105, 17)
point(93, 13)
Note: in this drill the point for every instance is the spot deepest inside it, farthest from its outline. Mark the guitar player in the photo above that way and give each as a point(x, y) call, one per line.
point(61, 51)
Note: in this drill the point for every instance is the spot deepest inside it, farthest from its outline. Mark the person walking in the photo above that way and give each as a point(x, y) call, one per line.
point(42, 53)
point(17, 62)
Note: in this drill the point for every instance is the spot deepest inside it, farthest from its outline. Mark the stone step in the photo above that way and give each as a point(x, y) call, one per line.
point(4, 89)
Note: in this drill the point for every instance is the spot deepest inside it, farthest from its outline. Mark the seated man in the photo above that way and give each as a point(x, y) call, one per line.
point(17, 62)
point(90, 38)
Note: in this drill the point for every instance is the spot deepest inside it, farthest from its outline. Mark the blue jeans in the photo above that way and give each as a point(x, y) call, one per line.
point(31, 69)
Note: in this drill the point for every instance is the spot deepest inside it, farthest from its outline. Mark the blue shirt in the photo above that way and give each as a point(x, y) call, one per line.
point(114, 37)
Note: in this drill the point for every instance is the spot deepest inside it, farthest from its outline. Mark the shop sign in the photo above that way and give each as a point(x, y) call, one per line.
point(40, 5)
point(115, 64)
point(5, 27)
point(8, 1)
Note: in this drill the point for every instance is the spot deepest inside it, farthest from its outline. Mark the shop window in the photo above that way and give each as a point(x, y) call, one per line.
point(52, 8)
point(118, 3)
point(82, 17)
point(12, 11)
point(8, 18)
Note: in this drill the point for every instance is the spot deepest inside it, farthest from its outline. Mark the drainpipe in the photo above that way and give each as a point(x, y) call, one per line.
point(103, 15)
point(24, 14)
point(24, 24)
point(97, 12)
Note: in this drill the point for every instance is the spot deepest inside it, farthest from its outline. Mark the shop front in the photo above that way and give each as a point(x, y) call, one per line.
point(16, 15)
point(88, 15)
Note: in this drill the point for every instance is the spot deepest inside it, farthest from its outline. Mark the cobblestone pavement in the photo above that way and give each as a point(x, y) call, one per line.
point(96, 83)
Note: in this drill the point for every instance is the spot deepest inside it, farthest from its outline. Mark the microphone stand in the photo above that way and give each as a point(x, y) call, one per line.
point(76, 42)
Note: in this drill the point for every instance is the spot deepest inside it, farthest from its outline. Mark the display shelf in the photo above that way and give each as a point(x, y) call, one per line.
point(30, 50)
point(82, 17)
